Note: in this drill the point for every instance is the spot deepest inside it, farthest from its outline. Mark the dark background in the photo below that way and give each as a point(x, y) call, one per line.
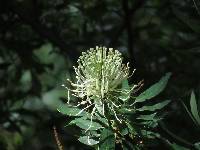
point(40, 41)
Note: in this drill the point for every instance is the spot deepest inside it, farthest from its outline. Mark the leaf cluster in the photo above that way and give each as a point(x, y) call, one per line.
point(137, 122)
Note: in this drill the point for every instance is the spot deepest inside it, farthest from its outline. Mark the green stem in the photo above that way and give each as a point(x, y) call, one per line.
point(177, 138)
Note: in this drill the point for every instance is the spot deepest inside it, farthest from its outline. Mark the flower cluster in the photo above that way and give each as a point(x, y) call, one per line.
point(99, 72)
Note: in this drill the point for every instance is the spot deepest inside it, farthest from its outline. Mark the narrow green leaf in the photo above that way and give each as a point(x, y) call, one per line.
point(125, 95)
point(84, 123)
point(147, 117)
point(178, 138)
point(87, 140)
point(154, 90)
point(126, 145)
point(107, 140)
point(131, 128)
point(150, 120)
point(101, 119)
point(126, 111)
point(154, 107)
point(150, 134)
point(71, 111)
point(151, 124)
point(189, 113)
point(178, 147)
point(197, 145)
point(194, 109)
point(124, 131)
point(125, 85)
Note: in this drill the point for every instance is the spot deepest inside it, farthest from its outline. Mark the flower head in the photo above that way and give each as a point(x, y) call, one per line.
point(100, 71)
point(99, 76)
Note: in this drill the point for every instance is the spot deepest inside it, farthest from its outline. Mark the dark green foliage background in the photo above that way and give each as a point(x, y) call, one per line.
point(40, 41)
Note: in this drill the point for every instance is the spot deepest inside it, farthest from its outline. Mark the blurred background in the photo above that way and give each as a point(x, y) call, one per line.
point(40, 41)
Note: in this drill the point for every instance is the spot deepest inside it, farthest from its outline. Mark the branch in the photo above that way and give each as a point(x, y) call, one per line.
point(129, 12)
point(128, 25)
point(60, 147)
point(176, 138)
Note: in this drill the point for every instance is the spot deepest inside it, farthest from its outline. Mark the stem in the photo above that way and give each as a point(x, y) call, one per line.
point(177, 138)
point(60, 147)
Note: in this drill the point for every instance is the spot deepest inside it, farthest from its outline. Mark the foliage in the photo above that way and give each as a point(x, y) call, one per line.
point(40, 42)
point(194, 115)
point(116, 118)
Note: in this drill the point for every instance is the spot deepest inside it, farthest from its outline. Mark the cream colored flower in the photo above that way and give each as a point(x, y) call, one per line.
point(99, 72)
point(99, 76)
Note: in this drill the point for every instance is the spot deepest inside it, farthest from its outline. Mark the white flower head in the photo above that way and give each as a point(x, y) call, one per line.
point(100, 71)
point(99, 76)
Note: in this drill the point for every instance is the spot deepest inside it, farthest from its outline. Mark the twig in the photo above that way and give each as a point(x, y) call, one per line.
point(130, 11)
point(195, 5)
point(60, 147)
point(176, 138)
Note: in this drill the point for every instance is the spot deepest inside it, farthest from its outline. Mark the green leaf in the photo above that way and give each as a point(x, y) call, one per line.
point(126, 111)
point(154, 90)
point(150, 120)
point(107, 140)
point(44, 53)
point(125, 95)
point(147, 117)
point(25, 81)
point(178, 147)
point(52, 97)
point(193, 119)
point(197, 145)
point(126, 145)
point(194, 109)
point(84, 123)
point(87, 140)
point(154, 107)
point(71, 111)
point(101, 119)
point(131, 128)
point(149, 134)
point(124, 131)
point(98, 106)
